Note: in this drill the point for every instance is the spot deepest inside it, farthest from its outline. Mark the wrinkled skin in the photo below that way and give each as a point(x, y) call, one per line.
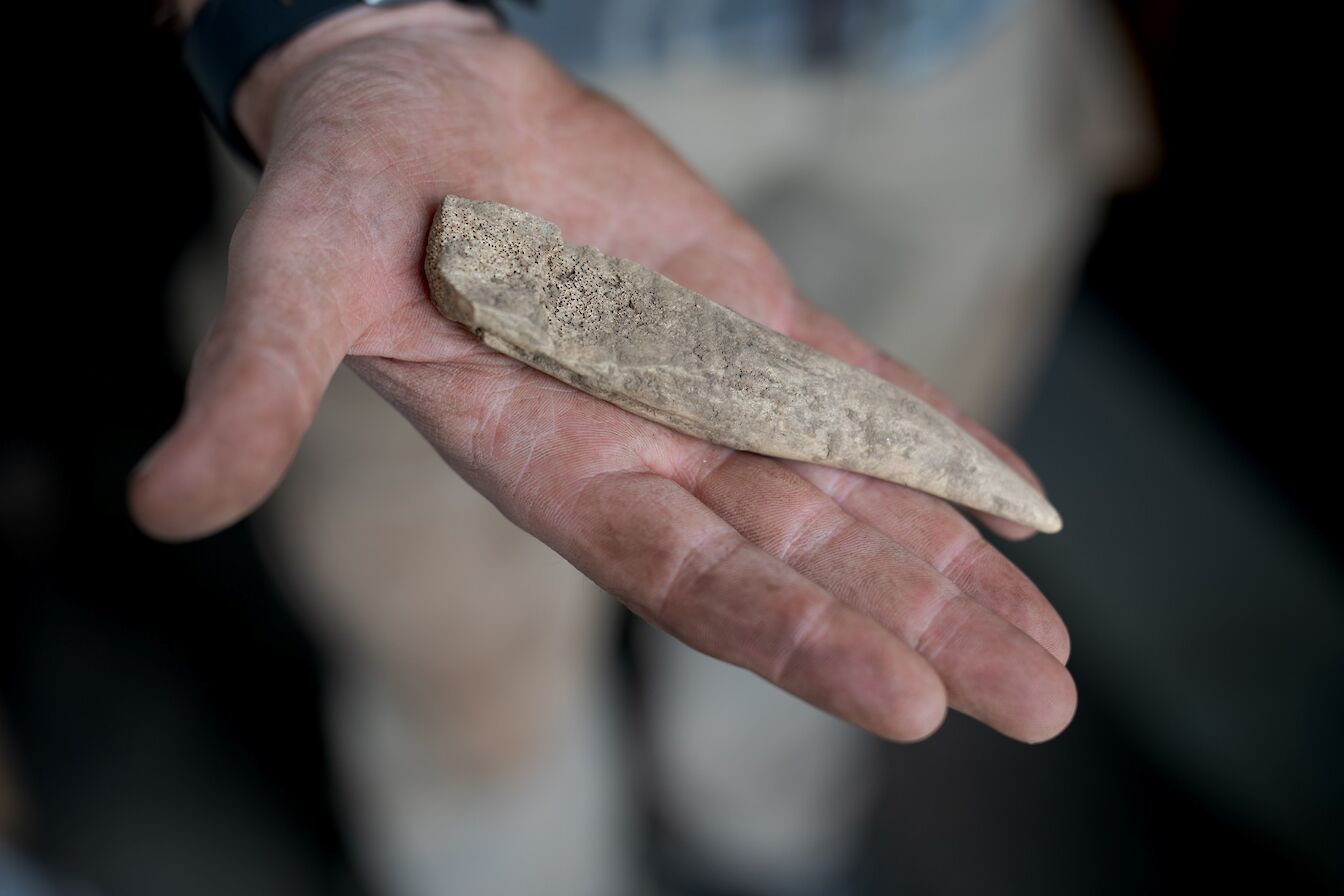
point(874, 602)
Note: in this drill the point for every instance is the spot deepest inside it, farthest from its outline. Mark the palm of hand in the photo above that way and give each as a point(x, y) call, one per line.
point(874, 602)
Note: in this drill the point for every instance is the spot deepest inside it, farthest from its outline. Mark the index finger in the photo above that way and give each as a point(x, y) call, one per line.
point(676, 563)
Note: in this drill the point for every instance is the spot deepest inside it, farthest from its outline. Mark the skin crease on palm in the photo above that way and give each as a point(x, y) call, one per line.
point(881, 605)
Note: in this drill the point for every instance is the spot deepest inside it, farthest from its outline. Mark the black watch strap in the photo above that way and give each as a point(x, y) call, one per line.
point(227, 38)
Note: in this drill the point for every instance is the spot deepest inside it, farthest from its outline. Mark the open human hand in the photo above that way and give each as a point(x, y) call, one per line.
point(876, 603)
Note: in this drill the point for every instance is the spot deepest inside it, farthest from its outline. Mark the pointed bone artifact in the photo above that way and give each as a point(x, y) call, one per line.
point(629, 335)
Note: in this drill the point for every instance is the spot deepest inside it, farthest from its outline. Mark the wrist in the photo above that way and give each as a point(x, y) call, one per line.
point(257, 99)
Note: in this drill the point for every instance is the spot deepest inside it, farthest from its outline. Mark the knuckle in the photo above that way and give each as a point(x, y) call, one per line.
point(806, 628)
point(698, 564)
point(961, 557)
point(943, 627)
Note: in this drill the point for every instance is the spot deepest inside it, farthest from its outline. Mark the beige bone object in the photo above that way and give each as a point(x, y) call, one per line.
point(629, 335)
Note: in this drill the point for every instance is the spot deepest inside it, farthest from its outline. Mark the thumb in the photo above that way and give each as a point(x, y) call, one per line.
point(254, 386)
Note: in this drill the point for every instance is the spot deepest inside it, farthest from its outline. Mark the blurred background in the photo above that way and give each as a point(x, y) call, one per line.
point(1099, 225)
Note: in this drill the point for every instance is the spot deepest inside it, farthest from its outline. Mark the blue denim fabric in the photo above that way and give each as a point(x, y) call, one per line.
point(897, 38)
